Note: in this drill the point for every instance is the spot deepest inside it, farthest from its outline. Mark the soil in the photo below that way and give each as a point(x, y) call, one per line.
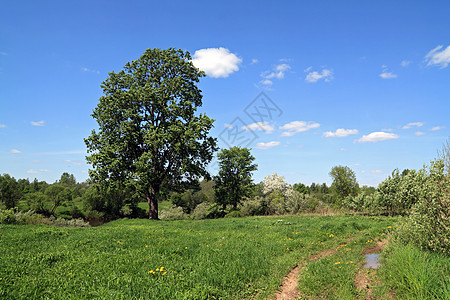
point(289, 289)
point(364, 278)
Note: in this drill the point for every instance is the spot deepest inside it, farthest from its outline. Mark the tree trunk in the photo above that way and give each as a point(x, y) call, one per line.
point(152, 199)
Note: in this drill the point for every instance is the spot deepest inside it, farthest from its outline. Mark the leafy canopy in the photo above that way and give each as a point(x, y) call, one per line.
point(149, 134)
point(234, 180)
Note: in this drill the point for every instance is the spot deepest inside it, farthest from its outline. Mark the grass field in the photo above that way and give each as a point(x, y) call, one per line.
point(225, 258)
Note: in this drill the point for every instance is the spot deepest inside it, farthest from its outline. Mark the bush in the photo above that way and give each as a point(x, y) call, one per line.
point(207, 210)
point(233, 214)
point(428, 225)
point(172, 213)
point(31, 218)
point(253, 207)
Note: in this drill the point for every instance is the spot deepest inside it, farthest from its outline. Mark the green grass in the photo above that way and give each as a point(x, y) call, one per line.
point(415, 274)
point(225, 258)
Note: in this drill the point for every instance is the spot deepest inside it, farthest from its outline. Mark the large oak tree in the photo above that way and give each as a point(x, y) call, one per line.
point(149, 135)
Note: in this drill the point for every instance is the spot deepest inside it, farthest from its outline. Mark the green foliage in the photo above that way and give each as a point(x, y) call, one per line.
point(344, 182)
point(428, 225)
point(149, 136)
point(234, 181)
point(9, 191)
point(11, 216)
point(415, 274)
point(173, 213)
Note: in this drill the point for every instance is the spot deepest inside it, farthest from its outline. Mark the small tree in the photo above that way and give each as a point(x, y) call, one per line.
point(235, 176)
point(344, 182)
point(149, 135)
point(9, 191)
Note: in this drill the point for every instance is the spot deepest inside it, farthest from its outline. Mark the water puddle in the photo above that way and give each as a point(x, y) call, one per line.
point(372, 261)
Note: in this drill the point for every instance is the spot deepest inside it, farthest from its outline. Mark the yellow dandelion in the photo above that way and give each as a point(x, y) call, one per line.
point(146, 245)
point(389, 227)
point(338, 262)
point(119, 242)
point(157, 270)
point(185, 247)
point(165, 273)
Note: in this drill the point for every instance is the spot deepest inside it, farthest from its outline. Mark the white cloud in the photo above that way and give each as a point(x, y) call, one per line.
point(341, 132)
point(385, 74)
point(31, 171)
point(440, 58)
point(376, 172)
point(266, 145)
point(43, 170)
point(254, 61)
point(326, 75)
point(437, 128)
point(413, 124)
point(216, 62)
point(2, 126)
point(419, 133)
point(15, 151)
point(405, 63)
point(90, 70)
point(261, 126)
point(297, 126)
point(388, 75)
point(38, 123)
point(74, 162)
point(266, 82)
point(377, 137)
point(229, 126)
point(278, 72)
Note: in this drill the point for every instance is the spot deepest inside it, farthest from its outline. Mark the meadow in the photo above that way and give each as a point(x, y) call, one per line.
point(230, 258)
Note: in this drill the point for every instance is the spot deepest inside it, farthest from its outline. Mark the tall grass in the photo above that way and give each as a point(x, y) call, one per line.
point(416, 274)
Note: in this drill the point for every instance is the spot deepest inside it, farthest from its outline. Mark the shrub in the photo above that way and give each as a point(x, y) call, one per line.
point(207, 210)
point(172, 213)
point(428, 225)
point(233, 214)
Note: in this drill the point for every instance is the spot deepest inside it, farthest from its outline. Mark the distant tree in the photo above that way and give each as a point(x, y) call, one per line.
point(234, 180)
point(150, 136)
point(67, 179)
point(57, 194)
point(9, 191)
point(344, 181)
point(444, 155)
point(36, 201)
point(300, 188)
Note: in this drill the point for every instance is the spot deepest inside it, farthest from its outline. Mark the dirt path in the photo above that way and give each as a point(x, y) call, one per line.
point(364, 279)
point(289, 289)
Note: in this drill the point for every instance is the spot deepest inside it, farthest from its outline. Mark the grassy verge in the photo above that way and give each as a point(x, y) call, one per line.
point(206, 259)
point(416, 274)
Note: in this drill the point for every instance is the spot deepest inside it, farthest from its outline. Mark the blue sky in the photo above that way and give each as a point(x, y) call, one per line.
point(356, 83)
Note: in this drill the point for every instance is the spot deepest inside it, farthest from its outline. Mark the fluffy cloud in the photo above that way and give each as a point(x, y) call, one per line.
point(377, 137)
point(341, 132)
point(15, 151)
point(38, 123)
point(376, 172)
point(388, 75)
point(385, 74)
point(437, 128)
point(216, 62)
point(261, 126)
point(438, 57)
point(31, 171)
point(277, 73)
point(297, 126)
point(2, 126)
point(266, 145)
point(419, 133)
point(413, 124)
point(326, 75)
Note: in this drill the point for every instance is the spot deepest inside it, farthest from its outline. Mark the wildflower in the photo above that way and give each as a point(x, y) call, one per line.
point(119, 242)
point(338, 262)
point(157, 270)
point(331, 235)
point(389, 227)
point(185, 247)
point(165, 272)
point(146, 245)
